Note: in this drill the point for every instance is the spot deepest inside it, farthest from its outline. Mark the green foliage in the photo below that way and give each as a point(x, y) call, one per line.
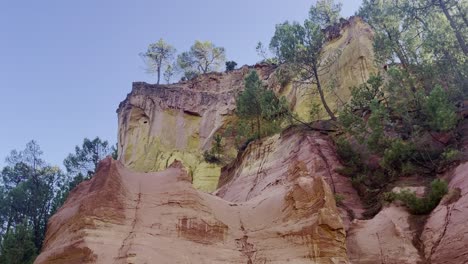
point(347, 154)
point(397, 157)
point(28, 188)
point(326, 12)
point(339, 198)
point(230, 66)
point(264, 54)
point(316, 111)
point(189, 75)
point(209, 157)
point(426, 38)
point(423, 205)
point(261, 113)
point(299, 46)
point(168, 73)
point(215, 153)
point(202, 57)
point(440, 112)
point(159, 55)
point(86, 158)
point(31, 191)
point(450, 155)
point(18, 246)
point(364, 95)
point(376, 140)
point(284, 75)
point(249, 101)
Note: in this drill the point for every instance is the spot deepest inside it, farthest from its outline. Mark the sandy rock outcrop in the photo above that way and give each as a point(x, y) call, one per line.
point(445, 235)
point(264, 165)
point(122, 216)
point(386, 238)
point(160, 123)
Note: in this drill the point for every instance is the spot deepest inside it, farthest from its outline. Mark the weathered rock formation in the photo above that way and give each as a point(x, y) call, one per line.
point(264, 166)
point(445, 235)
point(395, 236)
point(386, 238)
point(160, 123)
point(121, 216)
point(352, 56)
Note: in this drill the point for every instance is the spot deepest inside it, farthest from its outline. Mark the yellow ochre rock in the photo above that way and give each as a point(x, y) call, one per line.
point(160, 123)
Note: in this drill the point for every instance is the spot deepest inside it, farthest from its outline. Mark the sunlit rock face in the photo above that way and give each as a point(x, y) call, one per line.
point(350, 51)
point(122, 216)
point(160, 123)
point(264, 166)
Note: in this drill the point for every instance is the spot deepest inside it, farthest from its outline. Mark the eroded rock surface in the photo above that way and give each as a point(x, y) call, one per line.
point(121, 216)
point(264, 166)
point(445, 235)
point(160, 123)
point(386, 238)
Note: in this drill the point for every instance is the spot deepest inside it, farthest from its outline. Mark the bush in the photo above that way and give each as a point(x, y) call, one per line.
point(396, 158)
point(210, 157)
point(230, 66)
point(423, 205)
point(346, 153)
point(214, 155)
point(451, 155)
point(339, 198)
point(439, 111)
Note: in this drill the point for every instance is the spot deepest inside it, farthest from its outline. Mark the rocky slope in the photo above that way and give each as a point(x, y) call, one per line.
point(160, 123)
point(121, 216)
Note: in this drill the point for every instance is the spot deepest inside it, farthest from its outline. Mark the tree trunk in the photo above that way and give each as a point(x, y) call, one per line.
point(460, 38)
point(159, 73)
point(322, 97)
point(398, 50)
point(258, 127)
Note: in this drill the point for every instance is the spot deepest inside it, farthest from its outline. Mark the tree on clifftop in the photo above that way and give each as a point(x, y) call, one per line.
point(202, 57)
point(326, 12)
point(299, 46)
point(157, 56)
point(85, 159)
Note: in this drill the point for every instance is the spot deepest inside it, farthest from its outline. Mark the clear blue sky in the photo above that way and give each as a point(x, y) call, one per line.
point(66, 65)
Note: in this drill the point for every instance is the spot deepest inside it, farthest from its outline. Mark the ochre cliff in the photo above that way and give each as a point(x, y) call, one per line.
point(160, 123)
point(352, 64)
point(121, 216)
point(274, 203)
point(263, 167)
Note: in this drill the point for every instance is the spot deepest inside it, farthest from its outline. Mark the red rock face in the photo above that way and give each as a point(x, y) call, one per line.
point(445, 236)
point(264, 167)
point(121, 216)
point(386, 238)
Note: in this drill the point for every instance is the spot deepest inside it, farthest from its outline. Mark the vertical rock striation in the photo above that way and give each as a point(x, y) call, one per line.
point(445, 234)
point(121, 216)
